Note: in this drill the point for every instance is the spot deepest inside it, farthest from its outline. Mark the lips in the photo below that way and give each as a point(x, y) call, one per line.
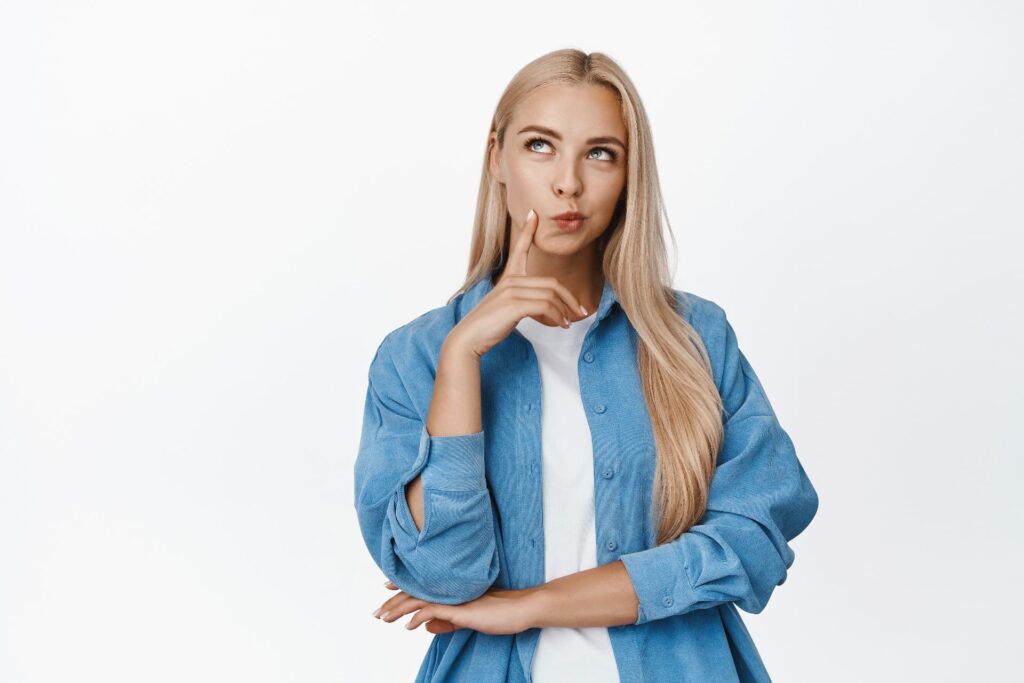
point(570, 221)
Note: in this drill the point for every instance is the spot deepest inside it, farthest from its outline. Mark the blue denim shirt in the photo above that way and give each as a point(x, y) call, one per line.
point(483, 522)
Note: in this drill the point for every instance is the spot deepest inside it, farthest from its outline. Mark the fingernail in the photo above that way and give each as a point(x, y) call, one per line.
point(386, 583)
point(409, 625)
point(566, 321)
point(376, 612)
point(529, 216)
point(584, 310)
point(385, 614)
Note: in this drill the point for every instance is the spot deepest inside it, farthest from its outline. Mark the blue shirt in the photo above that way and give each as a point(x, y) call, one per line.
point(483, 521)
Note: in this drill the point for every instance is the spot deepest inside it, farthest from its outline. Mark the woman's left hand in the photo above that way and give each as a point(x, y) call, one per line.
point(496, 612)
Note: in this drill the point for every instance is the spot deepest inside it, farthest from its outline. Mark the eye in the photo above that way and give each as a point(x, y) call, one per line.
point(612, 156)
point(529, 143)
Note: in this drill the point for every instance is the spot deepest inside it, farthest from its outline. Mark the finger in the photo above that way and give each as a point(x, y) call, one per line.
point(394, 601)
point(552, 283)
point(521, 249)
point(420, 616)
point(388, 605)
point(439, 626)
point(401, 609)
point(544, 296)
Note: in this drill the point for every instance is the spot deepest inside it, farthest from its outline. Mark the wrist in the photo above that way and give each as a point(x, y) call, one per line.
point(535, 603)
point(453, 348)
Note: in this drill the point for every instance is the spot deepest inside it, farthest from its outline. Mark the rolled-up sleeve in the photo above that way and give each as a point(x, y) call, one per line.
point(453, 558)
point(760, 499)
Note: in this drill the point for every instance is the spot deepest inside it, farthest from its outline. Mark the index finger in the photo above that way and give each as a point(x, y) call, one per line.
point(521, 249)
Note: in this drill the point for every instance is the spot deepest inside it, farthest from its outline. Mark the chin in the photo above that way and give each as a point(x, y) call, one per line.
point(564, 250)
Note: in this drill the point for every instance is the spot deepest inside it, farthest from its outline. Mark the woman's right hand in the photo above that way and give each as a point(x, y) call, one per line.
point(516, 296)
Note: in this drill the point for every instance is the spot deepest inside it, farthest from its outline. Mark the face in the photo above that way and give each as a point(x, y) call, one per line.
point(564, 150)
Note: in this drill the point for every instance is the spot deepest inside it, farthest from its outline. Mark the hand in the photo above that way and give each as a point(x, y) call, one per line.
point(496, 612)
point(516, 296)
point(434, 625)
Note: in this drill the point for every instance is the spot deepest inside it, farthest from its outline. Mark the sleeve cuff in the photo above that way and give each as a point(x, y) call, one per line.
point(660, 581)
point(446, 463)
point(449, 463)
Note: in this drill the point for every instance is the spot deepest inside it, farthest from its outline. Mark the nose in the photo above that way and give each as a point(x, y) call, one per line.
point(567, 181)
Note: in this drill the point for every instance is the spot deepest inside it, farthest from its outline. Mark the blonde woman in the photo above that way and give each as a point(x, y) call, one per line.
point(570, 471)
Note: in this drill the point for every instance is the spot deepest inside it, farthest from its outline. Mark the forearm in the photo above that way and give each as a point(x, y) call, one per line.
point(454, 409)
point(455, 403)
point(602, 596)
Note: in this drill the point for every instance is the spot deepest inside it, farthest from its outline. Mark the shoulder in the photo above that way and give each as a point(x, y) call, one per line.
point(420, 339)
point(703, 314)
point(405, 362)
point(710, 322)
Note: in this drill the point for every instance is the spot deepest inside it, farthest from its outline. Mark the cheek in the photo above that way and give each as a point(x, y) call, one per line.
point(522, 178)
point(522, 185)
point(607, 189)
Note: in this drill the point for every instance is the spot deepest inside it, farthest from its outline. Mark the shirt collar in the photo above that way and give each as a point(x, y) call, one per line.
point(479, 290)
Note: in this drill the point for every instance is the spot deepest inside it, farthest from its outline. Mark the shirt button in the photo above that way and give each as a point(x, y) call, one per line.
point(612, 545)
point(607, 474)
point(667, 601)
point(589, 357)
point(599, 407)
point(529, 407)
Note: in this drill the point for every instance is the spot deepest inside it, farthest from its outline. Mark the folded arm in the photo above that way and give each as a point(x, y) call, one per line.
point(453, 558)
point(760, 499)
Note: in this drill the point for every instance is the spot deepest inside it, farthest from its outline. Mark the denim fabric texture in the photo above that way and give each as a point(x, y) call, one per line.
point(483, 521)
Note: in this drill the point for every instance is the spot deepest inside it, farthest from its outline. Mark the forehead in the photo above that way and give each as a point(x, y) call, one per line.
point(575, 111)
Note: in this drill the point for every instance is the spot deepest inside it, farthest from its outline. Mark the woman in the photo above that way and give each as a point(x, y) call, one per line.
point(570, 471)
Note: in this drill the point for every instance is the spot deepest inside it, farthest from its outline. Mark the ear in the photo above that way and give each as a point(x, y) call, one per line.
point(494, 158)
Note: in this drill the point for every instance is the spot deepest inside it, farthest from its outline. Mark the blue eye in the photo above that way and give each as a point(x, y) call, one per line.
point(612, 156)
point(529, 143)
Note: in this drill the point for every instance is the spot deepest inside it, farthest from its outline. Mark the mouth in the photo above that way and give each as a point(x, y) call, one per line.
point(569, 221)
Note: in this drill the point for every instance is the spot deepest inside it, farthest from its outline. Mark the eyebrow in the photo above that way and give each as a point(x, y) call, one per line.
point(605, 140)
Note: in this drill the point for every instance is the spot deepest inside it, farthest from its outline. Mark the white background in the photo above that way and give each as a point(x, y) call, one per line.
point(212, 212)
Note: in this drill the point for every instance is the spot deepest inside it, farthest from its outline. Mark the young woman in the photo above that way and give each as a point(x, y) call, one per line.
point(570, 471)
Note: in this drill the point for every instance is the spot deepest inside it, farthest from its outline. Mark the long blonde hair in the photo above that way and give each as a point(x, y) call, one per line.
point(683, 403)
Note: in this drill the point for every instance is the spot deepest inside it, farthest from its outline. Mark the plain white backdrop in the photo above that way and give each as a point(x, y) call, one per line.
point(212, 212)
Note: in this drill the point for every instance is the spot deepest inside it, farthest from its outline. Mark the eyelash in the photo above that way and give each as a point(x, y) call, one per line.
point(529, 142)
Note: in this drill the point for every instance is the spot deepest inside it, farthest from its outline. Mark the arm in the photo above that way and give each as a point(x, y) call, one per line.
point(760, 499)
point(454, 409)
point(738, 551)
point(452, 558)
point(601, 596)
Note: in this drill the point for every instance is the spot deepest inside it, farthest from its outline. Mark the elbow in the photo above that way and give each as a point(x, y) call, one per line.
point(453, 559)
point(752, 606)
point(757, 598)
point(793, 510)
point(812, 503)
point(806, 508)
point(439, 579)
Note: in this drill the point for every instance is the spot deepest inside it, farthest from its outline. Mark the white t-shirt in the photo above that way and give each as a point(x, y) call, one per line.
point(567, 467)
